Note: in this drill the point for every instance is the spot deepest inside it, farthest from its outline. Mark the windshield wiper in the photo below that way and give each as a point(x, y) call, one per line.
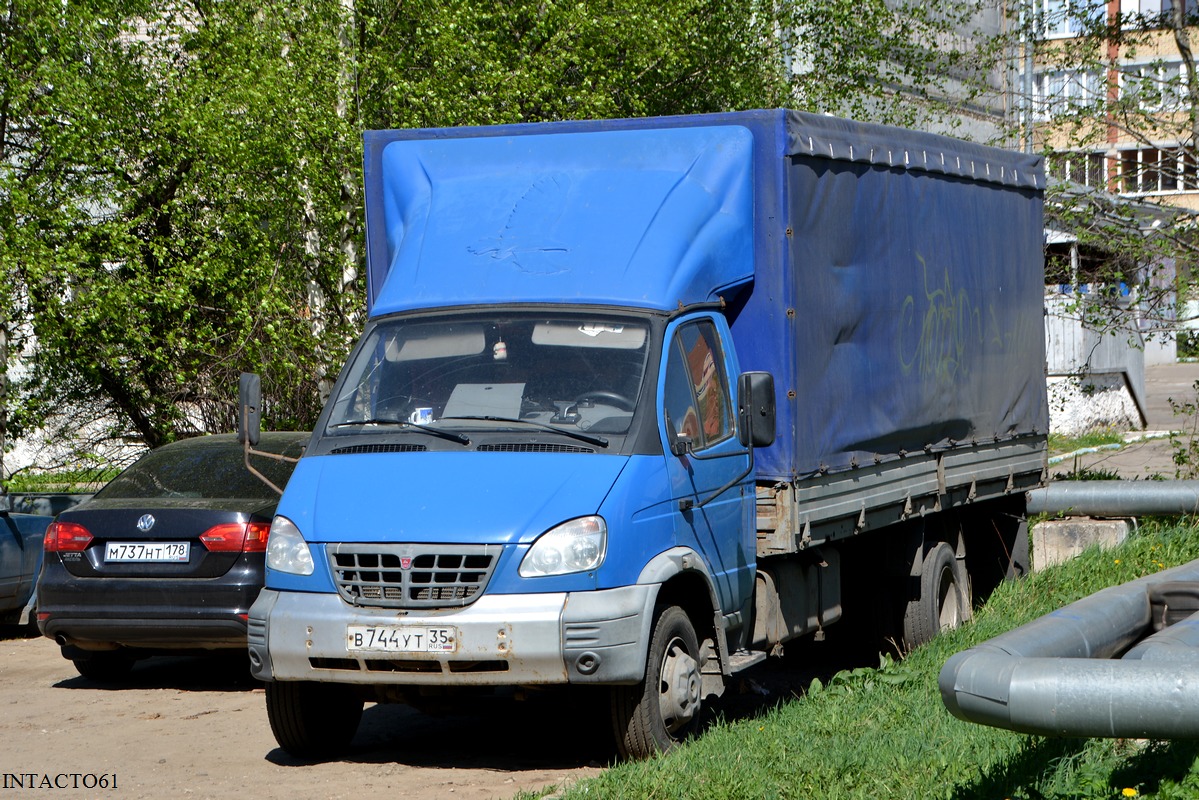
point(598, 441)
point(453, 437)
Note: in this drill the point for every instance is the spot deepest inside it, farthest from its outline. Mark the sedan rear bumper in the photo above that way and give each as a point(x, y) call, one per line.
point(96, 613)
point(146, 634)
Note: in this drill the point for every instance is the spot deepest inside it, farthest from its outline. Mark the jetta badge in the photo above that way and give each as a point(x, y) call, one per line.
point(145, 523)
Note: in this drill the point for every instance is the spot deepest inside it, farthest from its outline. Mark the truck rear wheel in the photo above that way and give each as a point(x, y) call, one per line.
point(312, 720)
point(944, 600)
point(664, 709)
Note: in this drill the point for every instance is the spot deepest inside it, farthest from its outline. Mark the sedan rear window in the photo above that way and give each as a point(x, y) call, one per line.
point(197, 468)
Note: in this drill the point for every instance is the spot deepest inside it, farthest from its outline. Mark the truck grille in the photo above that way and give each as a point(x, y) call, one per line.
point(411, 575)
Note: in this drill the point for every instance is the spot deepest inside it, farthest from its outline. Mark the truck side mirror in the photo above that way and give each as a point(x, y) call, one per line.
point(755, 409)
point(249, 408)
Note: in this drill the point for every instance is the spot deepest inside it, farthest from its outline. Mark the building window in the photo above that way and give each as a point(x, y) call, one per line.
point(1154, 87)
point(1059, 91)
point(1069, 17)
point(1155, 12)
point(1151, 170)
point(1088, 169)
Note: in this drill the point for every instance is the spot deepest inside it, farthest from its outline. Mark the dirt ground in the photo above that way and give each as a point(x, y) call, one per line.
point(197, 727)
point(193, 727)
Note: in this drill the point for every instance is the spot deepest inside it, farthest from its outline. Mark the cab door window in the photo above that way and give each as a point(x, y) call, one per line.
point(696, 389)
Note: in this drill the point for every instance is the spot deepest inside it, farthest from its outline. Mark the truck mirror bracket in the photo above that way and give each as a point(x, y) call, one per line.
point(249, 425)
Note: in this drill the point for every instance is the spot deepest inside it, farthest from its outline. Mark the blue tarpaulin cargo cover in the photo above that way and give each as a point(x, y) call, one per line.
point(891, 280)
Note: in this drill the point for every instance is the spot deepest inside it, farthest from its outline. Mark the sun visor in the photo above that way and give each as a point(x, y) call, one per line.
point(644, 218)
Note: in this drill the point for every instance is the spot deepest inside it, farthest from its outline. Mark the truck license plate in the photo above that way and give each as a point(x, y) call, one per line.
point(147, 552)
point(402, 638)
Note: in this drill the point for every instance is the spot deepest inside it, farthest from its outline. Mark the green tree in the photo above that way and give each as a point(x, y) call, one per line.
point(910, 63)
point(151, 213)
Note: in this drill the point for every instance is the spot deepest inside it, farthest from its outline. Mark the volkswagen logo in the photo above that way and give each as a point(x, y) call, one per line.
point(145, 522)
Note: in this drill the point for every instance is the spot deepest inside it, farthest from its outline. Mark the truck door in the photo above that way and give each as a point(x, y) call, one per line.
point(698, 406)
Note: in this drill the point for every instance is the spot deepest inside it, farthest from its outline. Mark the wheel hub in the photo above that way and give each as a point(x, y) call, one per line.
point(679, 688)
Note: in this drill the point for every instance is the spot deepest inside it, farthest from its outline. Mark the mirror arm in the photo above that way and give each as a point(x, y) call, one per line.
point(247, 450)
point(249, 426)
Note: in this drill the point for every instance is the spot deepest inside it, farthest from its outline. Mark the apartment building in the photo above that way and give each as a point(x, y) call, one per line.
point(1114, 112)
point(1107, 100)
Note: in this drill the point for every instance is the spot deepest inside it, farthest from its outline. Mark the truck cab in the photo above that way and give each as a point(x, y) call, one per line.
point(521, 496)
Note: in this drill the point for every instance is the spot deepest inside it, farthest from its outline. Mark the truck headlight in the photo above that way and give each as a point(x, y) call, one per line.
point(286, 550)
point(575, 546)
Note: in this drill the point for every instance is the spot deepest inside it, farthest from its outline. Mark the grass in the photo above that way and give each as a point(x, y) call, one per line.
point(884, 733)
point(1068, 444)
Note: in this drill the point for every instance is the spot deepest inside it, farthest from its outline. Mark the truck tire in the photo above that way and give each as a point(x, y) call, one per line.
point(944, 600)
point(312, 720)
point(664, 709)
point(104, 667)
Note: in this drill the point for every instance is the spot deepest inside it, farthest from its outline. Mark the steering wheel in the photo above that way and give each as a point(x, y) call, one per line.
point(612, 398)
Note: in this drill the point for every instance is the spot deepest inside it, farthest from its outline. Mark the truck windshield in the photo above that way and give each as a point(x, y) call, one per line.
point(577, 372)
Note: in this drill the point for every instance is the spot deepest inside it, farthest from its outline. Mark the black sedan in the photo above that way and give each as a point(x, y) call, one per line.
point(167, 558)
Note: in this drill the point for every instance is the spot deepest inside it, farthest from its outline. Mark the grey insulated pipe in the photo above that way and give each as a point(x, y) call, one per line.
point(1062, 675)
point(1115, 498)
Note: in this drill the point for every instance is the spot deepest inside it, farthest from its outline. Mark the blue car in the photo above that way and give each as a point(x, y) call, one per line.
point(20, 561)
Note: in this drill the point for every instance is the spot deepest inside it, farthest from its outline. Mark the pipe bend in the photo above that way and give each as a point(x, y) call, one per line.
point(1062, 675)
point(1074, 697)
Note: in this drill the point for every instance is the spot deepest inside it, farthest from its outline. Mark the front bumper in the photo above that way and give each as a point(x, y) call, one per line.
point(502, 640)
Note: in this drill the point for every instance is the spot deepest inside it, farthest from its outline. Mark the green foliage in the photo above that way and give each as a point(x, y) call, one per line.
point(886, 734)
point(907, 64)
point(1184, 442)
point(1081, 472)
point(1068, 444)
point(151, 215)
point(79, 481)
point(1188, 345)
point(471, 63)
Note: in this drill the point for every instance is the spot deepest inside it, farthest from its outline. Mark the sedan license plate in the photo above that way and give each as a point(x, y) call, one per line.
point(147, 552)
point(402, 638)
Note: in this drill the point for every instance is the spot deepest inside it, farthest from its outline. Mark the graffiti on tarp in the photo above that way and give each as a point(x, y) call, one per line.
point(939, 330)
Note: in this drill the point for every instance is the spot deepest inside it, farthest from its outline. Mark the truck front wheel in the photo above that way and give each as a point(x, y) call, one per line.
point(312, 720)
point(664, 709)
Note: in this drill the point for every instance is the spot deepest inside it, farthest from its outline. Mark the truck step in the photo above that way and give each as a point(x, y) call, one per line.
point(745, 658)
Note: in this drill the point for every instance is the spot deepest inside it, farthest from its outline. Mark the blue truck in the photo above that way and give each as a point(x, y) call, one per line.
point(640, 401)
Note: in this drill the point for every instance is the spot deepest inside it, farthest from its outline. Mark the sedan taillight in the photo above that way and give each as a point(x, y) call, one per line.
point(256, 533)
point(236, 537)
point(65, 537)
